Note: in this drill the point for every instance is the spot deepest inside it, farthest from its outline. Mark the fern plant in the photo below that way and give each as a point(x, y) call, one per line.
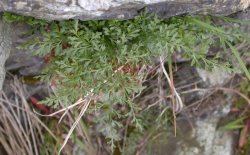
point(108, 61)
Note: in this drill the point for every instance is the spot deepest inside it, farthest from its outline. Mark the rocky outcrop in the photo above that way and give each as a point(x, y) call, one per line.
point(5, 47)
point(21, 61)
point(119, 9)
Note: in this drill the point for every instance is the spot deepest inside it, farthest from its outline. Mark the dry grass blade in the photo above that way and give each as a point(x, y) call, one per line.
point(176, 99)
point(179, 102)
point(84, 108)
point(20, 129)
point(80, 101)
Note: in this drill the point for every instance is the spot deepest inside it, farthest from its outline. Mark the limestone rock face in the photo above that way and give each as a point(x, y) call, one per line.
point(118, 9)
point(5, 47)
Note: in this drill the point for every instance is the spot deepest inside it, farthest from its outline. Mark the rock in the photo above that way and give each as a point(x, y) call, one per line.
point(5, 47)
point(22, 61)
point(244, 16)
point(118, 9)
point(200, 135)
point(207, 137)
point(216, 78)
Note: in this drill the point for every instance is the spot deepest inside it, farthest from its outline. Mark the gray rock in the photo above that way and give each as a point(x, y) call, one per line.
point(200, 135)
point(22, 61)
point(216, 78)
point(5, 47)
point(244, 16)
point(119, 9)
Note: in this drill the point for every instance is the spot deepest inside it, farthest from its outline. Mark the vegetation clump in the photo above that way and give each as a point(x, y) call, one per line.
point(103, 65)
